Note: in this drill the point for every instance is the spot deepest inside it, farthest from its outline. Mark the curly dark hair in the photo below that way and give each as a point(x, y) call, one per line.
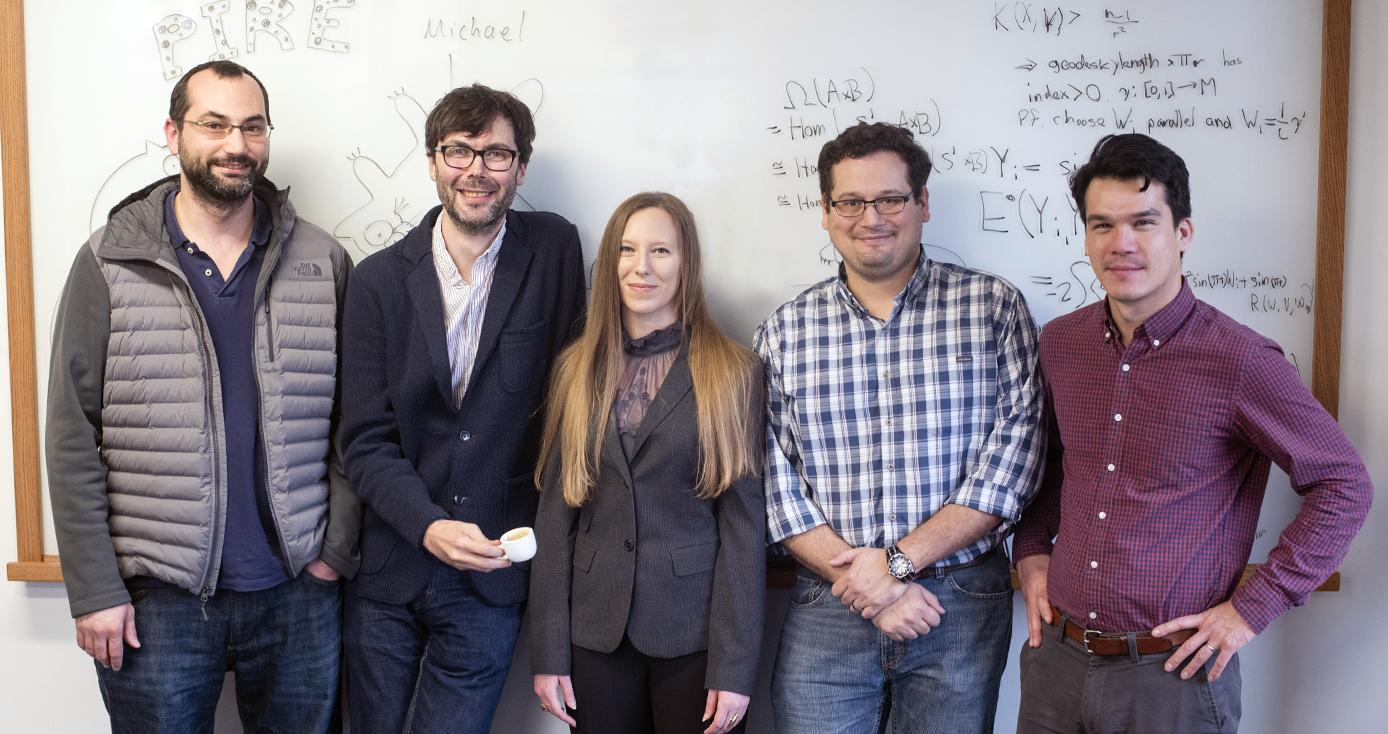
point(864, 139)
point(1133, 156)
point(471, 111)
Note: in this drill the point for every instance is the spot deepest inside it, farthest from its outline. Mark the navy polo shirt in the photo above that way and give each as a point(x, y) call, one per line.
point(251, 547)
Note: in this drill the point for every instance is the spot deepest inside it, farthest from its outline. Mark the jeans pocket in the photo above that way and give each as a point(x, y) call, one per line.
point(808, 593)
point(988, 581)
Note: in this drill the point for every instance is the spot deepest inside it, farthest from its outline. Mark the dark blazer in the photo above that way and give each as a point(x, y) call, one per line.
point(412, 458)
point(647, 558)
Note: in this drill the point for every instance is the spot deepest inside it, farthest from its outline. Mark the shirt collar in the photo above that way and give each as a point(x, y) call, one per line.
point(443, 262)
point(1162, 325)
point(260, 232)
point(908, 293)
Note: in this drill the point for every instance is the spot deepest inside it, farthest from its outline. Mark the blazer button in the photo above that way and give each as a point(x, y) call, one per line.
point(628, 544)
point(458, 499)
point(464, 436)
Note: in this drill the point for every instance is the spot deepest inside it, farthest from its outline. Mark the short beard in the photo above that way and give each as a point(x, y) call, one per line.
point(449, 198)
point(222, 194)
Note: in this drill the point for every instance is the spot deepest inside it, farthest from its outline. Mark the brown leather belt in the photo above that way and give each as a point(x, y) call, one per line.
point(1116, 643)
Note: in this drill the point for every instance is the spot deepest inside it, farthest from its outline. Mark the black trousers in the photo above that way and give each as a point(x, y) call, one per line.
point(628, 692)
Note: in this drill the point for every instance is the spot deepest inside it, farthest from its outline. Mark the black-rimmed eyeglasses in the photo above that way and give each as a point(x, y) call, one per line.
point(461, 156)
point(883, 205)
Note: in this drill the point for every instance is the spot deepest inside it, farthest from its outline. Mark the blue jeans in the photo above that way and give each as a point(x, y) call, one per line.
point(835, 672)
point(437, 663)
point(283, 644)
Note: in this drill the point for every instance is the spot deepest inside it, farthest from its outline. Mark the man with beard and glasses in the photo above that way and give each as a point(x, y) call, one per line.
point(449, 335)
point(202, 517)
point(903, 442)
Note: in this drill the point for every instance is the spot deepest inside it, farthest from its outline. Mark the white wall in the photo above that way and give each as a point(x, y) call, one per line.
point(1320, 668)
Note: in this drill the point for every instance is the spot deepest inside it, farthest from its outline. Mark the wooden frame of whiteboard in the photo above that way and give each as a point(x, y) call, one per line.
point(33, 565)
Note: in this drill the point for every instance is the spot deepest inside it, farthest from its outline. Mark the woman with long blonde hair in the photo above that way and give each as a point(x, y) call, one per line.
point(648, 590)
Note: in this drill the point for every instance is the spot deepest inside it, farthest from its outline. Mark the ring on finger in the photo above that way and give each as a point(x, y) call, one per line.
point(855, 608)
point(544, 707)
point(1212, 650)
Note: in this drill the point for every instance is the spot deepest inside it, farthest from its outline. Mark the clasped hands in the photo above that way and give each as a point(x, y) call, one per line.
point(901, 610)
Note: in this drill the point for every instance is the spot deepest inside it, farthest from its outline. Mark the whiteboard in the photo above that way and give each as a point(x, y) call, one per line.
point(727, 104)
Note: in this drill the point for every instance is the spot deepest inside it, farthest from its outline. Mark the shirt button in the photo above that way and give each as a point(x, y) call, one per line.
point(1093, 564)
point(888, 421)
point(207, 272)
point(464, 436)
point(1156, 342)
point(891, 467)
point(458, 499)
point(190, 250)
point(1108, 334)
point(1117, 416)
point(886, 375)
point(1110, 467)
point(1127, 367)
point(1103, 515)
point(628, 544)
point(891, 517)
point(1093, 615)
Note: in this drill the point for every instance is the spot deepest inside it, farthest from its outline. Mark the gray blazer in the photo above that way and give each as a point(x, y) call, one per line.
point(647, 558)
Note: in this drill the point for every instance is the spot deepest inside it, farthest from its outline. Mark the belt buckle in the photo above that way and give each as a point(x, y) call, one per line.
point(1086, 635)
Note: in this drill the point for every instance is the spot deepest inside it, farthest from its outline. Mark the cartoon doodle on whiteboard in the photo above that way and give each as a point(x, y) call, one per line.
point(212, 13)
point(398, 199)
point(167, 33)
point(267, 16)
point(135, 174)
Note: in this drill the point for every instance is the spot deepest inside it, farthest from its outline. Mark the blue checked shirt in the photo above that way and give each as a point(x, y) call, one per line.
point(874, 426)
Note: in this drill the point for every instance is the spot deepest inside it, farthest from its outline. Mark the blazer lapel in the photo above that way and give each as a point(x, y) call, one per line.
point(511, 264)
point(422, 284)
point(678, 382)
point(612, 450)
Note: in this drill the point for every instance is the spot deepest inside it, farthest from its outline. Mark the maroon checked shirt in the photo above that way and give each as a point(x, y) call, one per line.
point(1159, 456)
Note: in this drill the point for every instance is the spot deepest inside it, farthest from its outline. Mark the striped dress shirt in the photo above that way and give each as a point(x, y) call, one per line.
point(874, 426)
point(1158, 460)
point(464, 304)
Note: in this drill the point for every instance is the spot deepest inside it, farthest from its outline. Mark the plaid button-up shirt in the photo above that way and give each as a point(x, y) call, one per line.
point(1158, 461)
point(876, 425)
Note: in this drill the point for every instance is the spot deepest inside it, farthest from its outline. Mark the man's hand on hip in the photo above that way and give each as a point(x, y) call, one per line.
point(911, 615)
point(1219, 629)
point(463, 546)
point(1032, 573)
point(866, 587)
point(104, 634)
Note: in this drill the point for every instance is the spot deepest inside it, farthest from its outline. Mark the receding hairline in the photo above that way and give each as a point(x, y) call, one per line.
point(193, 101)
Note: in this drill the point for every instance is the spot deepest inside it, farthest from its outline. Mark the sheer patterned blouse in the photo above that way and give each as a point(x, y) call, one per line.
point(648, 359)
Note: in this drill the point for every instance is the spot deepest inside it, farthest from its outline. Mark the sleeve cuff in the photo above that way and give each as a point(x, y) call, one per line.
point(345, 565)
point(97, 603)
point(1030, 540)
point(1258, 603)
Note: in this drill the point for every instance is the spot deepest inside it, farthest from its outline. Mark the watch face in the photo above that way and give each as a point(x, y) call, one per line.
point(899, 565)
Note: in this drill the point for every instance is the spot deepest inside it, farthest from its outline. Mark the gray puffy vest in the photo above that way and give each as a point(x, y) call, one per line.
point(163, 434)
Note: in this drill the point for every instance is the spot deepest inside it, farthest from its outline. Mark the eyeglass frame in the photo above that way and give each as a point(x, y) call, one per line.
point(515, 155)
point(202, 125)
point(904, 199)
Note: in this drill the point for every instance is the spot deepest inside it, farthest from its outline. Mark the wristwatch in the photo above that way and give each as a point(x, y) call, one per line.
point(899, 565)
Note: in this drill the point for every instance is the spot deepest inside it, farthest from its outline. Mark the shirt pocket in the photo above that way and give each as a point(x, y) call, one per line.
point(523, 358)
point(956, 393)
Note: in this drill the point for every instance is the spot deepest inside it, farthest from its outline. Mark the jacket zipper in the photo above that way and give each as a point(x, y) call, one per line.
point(260, 420)
point(218, 482)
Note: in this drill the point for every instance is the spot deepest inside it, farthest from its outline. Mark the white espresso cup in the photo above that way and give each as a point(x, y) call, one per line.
point(518, 544)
